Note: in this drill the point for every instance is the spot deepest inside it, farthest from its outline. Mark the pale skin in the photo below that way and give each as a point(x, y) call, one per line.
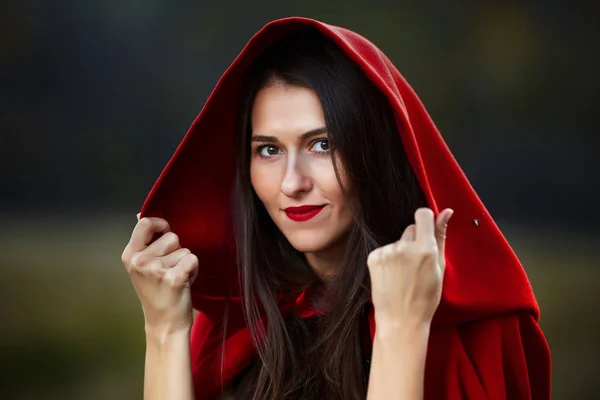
point(296, 169)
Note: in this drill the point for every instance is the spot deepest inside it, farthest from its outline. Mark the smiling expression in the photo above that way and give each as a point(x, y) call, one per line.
point(291, 168)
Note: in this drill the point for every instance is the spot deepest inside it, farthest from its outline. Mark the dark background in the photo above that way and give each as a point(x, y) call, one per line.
point(95, 96)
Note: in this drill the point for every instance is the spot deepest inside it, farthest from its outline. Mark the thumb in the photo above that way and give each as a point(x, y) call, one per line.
point(441, 227)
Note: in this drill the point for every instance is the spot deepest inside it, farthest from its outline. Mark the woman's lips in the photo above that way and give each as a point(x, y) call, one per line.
point(303, 213)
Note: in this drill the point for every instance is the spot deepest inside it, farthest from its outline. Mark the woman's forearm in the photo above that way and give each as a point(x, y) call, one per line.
point(398, 362)
point(168, 370)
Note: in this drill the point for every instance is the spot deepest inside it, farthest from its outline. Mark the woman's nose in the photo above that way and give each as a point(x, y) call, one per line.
point(295, 179)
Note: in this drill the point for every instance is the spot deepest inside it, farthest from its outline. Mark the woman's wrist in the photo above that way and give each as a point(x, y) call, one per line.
point(168, 363)
point(401, 328)
point(398, 363)
point(163, 335)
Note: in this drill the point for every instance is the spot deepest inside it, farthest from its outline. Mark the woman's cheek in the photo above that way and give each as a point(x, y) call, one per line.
point(264, 181)
point(325, 173)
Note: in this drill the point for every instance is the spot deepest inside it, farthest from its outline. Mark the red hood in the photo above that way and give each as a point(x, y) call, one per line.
point(483, 275)
point(501, 354)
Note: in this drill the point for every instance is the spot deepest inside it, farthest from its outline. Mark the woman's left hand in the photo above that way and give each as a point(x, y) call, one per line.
point(407, 275)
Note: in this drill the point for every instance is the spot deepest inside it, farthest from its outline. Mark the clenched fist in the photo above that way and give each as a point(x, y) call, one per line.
point(407, 275)
point(162, 273)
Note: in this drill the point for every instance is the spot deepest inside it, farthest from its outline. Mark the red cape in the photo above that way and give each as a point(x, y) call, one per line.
point(485, 341)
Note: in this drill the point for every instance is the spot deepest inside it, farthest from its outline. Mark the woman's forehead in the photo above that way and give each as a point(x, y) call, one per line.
point(286, 112)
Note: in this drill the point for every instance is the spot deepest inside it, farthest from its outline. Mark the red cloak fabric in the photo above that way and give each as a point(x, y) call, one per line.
point(485, 341)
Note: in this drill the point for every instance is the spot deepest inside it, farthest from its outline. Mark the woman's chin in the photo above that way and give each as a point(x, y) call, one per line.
point(304, 247)
point(307, 243)
point(313, 241)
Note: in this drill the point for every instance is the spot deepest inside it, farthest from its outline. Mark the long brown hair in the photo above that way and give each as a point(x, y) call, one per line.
point(319, 357)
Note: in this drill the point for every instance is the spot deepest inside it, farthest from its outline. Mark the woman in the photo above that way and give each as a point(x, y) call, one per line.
point(316, 170)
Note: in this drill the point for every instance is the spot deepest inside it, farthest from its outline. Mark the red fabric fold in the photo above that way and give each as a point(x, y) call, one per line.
point(504, 357)
point(485, 340)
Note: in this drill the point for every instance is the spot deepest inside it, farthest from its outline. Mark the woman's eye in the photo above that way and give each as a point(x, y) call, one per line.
point(321, 146)
point(268, 151)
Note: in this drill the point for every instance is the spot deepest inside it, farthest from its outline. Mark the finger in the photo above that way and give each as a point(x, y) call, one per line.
point(442, 229)
point(409, 233)
point(167, 243)
point(386, 251)
point(145, 230)
point(145, 259)
point(374, 257)
point(424, 222)
point(172, 259)
point(193, 273)
point(182, 273)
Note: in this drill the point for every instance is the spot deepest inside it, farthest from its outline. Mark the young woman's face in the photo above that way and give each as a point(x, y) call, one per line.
point(291, 166)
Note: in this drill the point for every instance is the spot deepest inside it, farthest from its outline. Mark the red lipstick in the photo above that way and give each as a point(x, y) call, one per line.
point(302, 213)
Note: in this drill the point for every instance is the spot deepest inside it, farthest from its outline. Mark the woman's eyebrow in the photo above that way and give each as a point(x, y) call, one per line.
point(304, 136)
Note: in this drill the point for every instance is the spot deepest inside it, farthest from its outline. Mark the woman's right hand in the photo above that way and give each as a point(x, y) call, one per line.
point(162, 273)
point(407, 275)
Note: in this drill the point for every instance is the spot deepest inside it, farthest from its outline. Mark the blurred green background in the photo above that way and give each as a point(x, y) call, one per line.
point(95, 96)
